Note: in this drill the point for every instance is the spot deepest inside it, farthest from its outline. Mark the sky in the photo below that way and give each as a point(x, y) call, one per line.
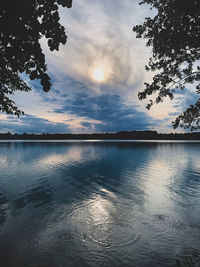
point(96, 77)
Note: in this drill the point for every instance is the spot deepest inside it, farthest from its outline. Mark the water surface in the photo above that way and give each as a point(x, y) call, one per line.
point(99, 204)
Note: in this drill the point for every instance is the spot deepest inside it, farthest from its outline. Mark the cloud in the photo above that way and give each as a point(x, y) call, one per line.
point(109, 110)
point(31, 124)
point(99, 35)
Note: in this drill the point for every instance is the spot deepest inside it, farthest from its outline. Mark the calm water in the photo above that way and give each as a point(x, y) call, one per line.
point(99, 204)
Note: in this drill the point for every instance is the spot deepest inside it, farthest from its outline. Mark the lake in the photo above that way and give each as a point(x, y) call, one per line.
point(99, 204)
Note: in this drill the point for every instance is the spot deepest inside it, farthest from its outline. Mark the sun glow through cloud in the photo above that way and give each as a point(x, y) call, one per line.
point(98, 75)
point(95, 77)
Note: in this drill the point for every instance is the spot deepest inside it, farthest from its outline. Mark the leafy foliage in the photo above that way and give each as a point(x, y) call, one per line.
point(22, 24)
point(174, 35)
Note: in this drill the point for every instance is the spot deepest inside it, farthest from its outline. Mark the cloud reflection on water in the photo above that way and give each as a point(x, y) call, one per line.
point(116, 202)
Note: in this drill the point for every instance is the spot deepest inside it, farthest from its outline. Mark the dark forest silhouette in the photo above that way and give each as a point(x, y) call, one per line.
point(122, 135)
point(174, 35)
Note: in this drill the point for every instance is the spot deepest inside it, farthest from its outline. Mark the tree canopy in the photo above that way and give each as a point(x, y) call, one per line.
point(174, 35)
point(22, 24)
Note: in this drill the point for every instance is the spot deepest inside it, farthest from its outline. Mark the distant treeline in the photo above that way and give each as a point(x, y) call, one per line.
point(124, 135)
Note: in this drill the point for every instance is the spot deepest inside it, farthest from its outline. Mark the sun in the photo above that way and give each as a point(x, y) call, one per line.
point(98, 75)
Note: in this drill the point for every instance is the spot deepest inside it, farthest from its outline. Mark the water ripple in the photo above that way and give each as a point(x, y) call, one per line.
point(99, 204)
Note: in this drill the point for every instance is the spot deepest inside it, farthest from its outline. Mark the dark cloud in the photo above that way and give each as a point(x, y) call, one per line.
point(185, 98)
point(31, 124)
point(109, 110)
